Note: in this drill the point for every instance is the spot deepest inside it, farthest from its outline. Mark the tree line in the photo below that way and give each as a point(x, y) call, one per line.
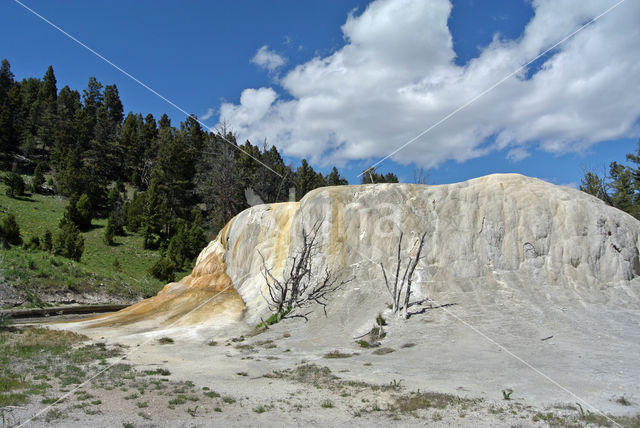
point(619, 186)
point(167, 183)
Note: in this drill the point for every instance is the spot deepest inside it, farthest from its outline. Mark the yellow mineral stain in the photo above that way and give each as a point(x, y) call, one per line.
point(336, 252)
point(205, 293)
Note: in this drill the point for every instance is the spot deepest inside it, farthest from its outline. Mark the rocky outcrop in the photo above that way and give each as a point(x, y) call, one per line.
point(498, 234)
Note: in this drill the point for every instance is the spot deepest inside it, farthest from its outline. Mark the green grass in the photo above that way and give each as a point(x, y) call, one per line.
point(40, 270)
point(337, 354)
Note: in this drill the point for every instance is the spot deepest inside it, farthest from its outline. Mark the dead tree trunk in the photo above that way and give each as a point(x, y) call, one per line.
point(395, 290)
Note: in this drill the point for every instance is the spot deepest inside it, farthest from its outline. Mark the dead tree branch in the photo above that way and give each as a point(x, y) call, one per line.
point(302, 285)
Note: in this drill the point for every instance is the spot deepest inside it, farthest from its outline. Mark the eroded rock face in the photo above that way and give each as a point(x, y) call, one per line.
point(504, 227)
point(496, 234)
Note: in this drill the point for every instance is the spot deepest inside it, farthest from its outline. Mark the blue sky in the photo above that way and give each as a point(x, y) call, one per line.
point(346, 82)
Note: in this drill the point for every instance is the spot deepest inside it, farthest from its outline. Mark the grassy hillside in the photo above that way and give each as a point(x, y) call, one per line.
point(39, 271)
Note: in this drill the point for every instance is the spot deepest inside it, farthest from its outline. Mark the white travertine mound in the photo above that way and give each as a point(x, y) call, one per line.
point(503, 230)
point(503, 239)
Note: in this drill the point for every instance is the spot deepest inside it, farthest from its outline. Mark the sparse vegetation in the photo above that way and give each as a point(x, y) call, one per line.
point(337, 354)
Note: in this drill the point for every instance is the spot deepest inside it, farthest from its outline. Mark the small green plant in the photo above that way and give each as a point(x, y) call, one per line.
point(165, 340)
point(506, 393)
point(228, 400)
point(212, 343)
point(142, 404)
point(380, 320)
point(260, 409)
point(217, 409)
point(337, 354)
point(327, 404)
point(192, 412)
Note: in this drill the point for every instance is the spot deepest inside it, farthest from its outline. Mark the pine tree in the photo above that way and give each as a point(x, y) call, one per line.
point(6, 81)
point(15, 184)
point(47, 241)
point(38, 178)
point(68, 241)
point(109, 231)
point(85, 212)
point(10, 231)
point(307, 179)
point(47, 106)
point(335, 179)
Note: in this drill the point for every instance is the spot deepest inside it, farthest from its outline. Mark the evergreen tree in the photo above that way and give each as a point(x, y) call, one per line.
point(335, 179)
point(9, 108)
point(10, 231)
point(85, 212)
point(29, 115)
point(66, 135)
point(371, 176)
point(10, 122)
point(6, 81)
point(218, 182)
point(164, 269)
point(47, 110)
point(47, 241)
point(155, 219)
point(306, 179)
point(68, 242)
point(38, 178)
point(109, 231)
point(15, 184)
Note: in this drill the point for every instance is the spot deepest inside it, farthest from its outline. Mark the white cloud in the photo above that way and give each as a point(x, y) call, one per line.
point(395, 77)
point(268, 59)
point(209, 114)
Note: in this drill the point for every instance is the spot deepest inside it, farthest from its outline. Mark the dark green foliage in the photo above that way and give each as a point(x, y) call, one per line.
point(10, 231)
point(68, 241)
point(109, 231)
point(47, 241)
point(83, 208)
point(307, 179)
point(335, 179)
point(15, 184)
point(134, 212)
point(164, 269)
point(621, 188)
point(34, 243)
point(186, 242)
point(38, 178)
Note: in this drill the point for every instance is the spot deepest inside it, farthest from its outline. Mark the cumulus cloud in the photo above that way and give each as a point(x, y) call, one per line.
point(268, 59)
point(395, 77)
